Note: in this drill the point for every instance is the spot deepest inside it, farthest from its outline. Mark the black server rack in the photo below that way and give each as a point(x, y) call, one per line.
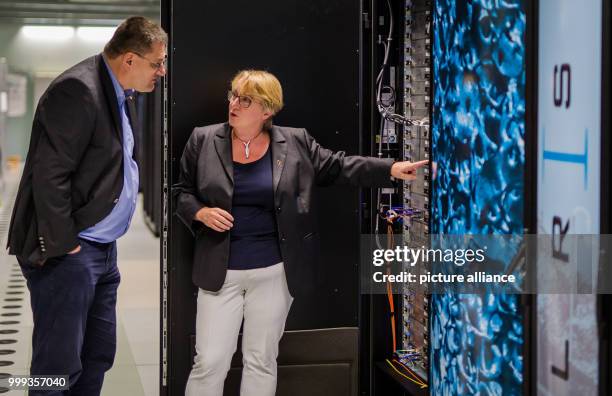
point(150, 156)
point(328, 55)
point(395, 329)
point(314, 50)
point(410, 82)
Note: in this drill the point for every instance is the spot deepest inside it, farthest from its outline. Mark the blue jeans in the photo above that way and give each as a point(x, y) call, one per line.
point(73, 300)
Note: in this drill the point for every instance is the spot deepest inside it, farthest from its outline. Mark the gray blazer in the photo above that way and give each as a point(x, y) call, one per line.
point(299, 164)
point(73, 175)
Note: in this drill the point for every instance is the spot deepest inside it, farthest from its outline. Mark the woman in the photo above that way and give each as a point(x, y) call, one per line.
point(246, 191)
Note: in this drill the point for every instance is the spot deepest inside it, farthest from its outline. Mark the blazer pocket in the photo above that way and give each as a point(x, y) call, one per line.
point(308, 236)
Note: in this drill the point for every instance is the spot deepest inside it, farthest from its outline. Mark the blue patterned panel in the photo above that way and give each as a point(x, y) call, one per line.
point(478, 131)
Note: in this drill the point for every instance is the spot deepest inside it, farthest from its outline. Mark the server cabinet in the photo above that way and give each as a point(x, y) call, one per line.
point(467, 67)
point(313, 48)
point(328, 56)
point(481, 65)
point(395, 329)
point(150, 157)
point(491, 66)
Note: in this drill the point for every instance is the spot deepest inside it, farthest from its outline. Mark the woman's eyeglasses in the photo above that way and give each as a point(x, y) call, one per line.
point(244, 101)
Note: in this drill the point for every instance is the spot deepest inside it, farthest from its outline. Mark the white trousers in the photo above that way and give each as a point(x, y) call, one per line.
point(262, 298)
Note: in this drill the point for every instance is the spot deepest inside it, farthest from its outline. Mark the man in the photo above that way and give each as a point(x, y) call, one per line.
point(76, 197)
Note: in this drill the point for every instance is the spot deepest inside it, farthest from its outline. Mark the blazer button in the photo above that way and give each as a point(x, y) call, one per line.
point(278, 210)
point(116, 200)
point(283, 239)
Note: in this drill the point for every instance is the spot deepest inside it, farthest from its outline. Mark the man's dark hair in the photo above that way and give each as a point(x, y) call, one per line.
point(135, 34)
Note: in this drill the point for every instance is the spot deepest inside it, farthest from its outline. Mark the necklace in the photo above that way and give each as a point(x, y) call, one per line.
point(246, 143)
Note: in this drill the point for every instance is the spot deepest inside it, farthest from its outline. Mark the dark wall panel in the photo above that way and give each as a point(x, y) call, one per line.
point(312, 47)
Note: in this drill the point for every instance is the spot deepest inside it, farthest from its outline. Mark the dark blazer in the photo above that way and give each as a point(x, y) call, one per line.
point(299, 163)
point(73, 174)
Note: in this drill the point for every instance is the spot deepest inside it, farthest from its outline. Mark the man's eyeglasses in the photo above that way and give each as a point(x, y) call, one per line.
point(154, 65)
point(244, 101)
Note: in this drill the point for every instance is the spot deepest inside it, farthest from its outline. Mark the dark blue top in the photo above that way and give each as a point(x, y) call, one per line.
point(254, 237)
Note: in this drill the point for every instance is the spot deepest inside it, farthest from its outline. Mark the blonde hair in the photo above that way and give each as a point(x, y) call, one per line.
point(262, 86)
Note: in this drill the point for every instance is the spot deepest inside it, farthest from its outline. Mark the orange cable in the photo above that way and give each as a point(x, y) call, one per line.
point(389, 289)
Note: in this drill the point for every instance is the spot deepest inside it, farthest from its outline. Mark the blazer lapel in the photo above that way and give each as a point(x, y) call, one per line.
point(130, 102)
point(223, 146)
point(279, 153)
point(111, 96)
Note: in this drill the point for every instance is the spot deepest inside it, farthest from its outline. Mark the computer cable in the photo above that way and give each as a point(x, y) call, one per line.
point(387, 111)
point(409, 371)
point(417, 382)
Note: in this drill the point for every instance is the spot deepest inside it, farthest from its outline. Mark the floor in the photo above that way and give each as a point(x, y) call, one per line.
point(136, 368)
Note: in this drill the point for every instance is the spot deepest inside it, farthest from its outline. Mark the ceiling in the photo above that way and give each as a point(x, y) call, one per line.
point(76, 12)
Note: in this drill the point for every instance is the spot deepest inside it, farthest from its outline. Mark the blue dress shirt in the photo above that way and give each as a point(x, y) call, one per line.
point(118, 221)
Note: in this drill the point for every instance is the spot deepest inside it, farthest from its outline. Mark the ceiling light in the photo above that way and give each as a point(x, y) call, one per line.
point(50, 33)
point(95, 33)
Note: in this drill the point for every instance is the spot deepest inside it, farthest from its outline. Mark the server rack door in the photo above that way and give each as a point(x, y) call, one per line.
point(312, 47)
point(467, 123)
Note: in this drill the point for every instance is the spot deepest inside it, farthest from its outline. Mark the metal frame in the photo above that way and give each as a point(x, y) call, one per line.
point(166, 17)
point(530, 210)
point(605, 300)
point(527, 302)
